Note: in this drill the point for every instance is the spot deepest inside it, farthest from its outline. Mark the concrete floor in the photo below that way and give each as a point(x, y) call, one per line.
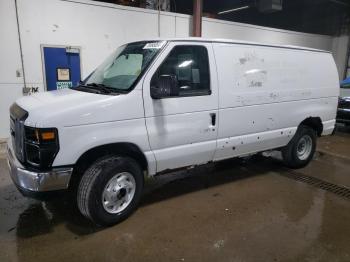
point(237, 210)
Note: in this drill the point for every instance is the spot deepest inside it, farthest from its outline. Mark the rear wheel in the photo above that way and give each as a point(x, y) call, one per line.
point(110, 190)
point(300, 150)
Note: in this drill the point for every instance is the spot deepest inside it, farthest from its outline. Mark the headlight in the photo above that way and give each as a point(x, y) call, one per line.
point(41, 146)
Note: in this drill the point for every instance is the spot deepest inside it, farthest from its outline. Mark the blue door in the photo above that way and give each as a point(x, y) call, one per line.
point(62, 67)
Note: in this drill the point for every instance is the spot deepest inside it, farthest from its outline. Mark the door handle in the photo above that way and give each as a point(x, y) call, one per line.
point(213, 119)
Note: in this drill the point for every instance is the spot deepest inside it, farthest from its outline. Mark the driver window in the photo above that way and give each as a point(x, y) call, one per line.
point(190, 66)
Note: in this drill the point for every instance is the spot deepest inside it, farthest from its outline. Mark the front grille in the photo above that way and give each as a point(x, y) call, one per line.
point(33, 154)
point(17, 118)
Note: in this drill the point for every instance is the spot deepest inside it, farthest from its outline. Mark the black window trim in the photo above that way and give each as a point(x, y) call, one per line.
point(195, 93)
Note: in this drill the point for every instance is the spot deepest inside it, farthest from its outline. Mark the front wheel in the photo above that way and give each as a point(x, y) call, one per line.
point(300, 150)
point(110, 190)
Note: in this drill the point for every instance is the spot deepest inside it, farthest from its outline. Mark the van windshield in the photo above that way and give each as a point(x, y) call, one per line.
point(121, 70)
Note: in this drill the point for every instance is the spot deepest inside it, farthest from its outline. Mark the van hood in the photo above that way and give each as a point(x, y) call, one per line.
point(64, 97)
point(68, 107)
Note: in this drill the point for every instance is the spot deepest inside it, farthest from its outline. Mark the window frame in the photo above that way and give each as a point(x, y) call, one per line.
point(206, 92)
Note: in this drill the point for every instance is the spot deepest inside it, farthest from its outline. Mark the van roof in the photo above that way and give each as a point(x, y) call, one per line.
point(233, 41)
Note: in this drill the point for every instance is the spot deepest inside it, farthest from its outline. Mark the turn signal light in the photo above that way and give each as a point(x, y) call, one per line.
point(47, 135)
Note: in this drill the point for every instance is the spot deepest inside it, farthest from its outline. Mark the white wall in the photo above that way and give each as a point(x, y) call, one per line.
point(98, 28)
point(10, 62)
point(225, 29)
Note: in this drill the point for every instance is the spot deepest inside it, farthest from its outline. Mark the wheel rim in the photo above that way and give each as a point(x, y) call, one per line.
point(118, 192)
point(304, 147)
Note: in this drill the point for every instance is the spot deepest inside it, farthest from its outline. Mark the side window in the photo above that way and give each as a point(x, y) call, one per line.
point(190, 66)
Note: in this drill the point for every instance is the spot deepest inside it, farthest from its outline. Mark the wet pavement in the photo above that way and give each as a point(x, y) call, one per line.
point(237, 210)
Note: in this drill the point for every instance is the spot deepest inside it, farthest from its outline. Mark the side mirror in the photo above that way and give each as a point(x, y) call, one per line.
point(166, 86)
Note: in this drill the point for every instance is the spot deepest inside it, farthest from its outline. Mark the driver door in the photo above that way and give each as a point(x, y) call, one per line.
point(182, 129)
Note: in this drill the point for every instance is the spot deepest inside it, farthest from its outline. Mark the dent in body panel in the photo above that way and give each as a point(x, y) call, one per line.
point(253, 143)
point(262, 127)
point(259, 118)
point(173, 157)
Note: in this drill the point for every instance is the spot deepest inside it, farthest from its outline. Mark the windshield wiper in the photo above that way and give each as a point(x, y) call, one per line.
point(102, 87)
point(87, 88)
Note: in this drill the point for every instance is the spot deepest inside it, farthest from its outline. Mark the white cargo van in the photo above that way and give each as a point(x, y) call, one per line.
point(160, 105)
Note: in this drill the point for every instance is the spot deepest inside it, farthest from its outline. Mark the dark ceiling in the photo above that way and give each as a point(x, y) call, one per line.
point(328, 17)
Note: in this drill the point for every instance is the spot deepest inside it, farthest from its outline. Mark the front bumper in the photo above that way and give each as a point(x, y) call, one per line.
point(343, 115)
point(31, 181)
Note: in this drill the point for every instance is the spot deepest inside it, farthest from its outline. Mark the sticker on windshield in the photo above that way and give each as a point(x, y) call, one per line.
point(154, 45)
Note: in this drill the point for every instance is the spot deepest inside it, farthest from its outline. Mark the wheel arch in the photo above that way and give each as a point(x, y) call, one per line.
point(315, 123)
point(121, 148)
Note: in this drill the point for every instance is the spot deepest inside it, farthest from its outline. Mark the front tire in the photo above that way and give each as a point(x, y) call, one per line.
point(110, 190)
point(300, 150)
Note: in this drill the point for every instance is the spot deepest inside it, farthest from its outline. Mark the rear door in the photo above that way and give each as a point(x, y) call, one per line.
point(183, 129)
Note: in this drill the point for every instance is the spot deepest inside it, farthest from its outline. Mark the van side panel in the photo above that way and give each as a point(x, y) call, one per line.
point(266, 92)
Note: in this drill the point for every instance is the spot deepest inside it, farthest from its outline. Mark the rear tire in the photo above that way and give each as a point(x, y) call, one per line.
point(110, 190)
point(300, 150)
